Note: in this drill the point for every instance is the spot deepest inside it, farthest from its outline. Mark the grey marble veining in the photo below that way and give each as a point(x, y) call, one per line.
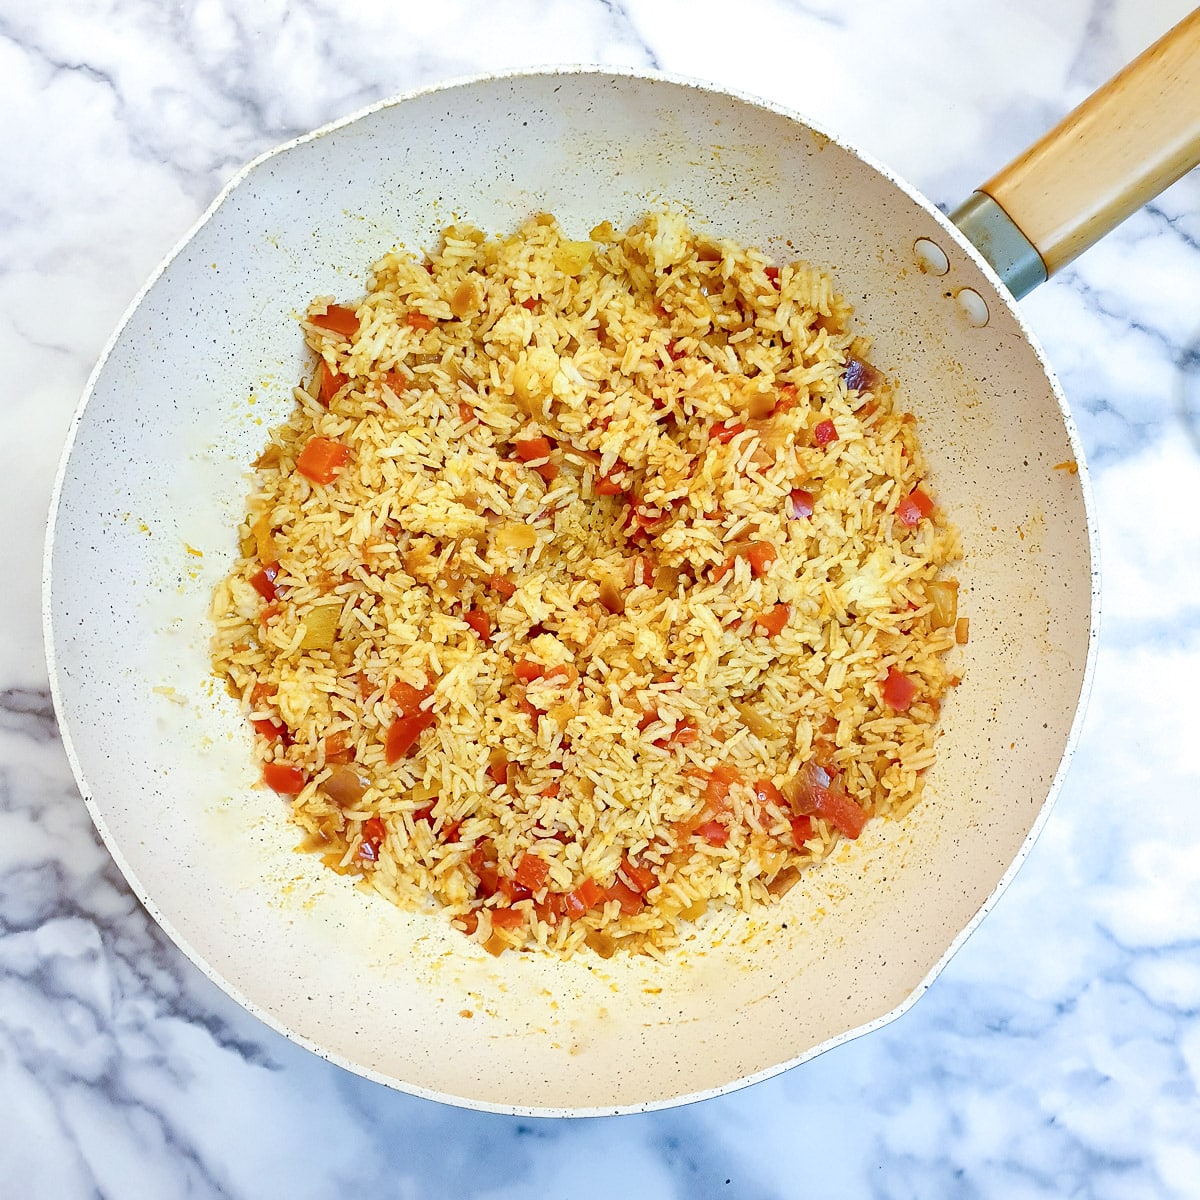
point(1059, 1052)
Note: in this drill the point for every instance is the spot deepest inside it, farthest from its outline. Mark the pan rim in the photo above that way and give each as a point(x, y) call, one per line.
point(56, 683)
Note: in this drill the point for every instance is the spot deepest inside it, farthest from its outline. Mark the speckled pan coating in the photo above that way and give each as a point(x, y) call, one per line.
point(154, 472)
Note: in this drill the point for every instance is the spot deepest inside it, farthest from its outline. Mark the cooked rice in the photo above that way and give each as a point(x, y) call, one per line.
point(636, 356)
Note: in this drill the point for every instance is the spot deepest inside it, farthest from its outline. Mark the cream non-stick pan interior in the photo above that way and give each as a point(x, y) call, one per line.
point(154, 482)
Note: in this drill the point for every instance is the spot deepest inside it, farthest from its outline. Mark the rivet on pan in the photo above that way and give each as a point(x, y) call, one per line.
point(931, 257)
point(974, 306)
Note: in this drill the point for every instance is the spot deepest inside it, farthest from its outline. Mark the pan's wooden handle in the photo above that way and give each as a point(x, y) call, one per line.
point(1121, 147)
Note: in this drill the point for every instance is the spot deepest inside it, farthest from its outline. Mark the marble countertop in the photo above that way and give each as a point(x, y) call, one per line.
point(1059, 1052)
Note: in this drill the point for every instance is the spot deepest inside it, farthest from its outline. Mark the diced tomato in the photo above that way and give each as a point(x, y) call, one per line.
point(420, 321)
point(261, 692)
point(788, 397)
point(802, 830)
point(565, 671)
point(526, 670)
point(504, 588)
point(725, 431)
point(498, 771)
point(551, 791)
point(264, 582)
point(532, 872)
point(403, 734)
point(607, 485)
point(799, 504)
point(548, 471)
point(772, 273)
point(913, 507)
point(631, 901)
point(823, 433)
point(321, 459)
point(373, 833)
point(339, 319)
point(483, 863)
point(643, 570)
point(768, 793)
point(408, 698)
point(466, 413)
point(284, 778)
point(713, 832)
point(397, 381)
point(641, 879)
point(470, 922)
point(760, 556)
point(331, 383)
point(647, 719)
point(480, 622)
point(842, 813)
point(684, 734)
point(506, 918)
point(774, 620)
point(527, 706)
point(426, 813)
point(720, 779)
point(338, 749)
point(450, 831)
point(268, 613)
point(531, 449)
point(674, 353)
point(532, 304)
point(898, 690)
point(582, 900)
point(273, 731)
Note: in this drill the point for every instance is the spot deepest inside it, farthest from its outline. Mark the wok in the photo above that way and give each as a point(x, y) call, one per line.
point(153, 480)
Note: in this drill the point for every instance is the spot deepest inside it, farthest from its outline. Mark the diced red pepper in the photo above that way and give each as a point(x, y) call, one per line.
point(898, 690)
point(338, 749)
point(426, 813)
point(373, 833)
point(532, 872)
point(321, 459)
point(483, 863)
point(823, 433)
point(534, 305)
point(631, 901)
point(551, 791)
point(504, 588)
point(331, 383)
point(772, 273)
point(788, 397)
point(684, 734)
point(513, 891)
point(815, 791)
point(480, 622)
point(450, 831)
point(338, 319)
point(466, 413)
point(800, 504)
point(713, 832)
point(548, 471)
point(760, 555)
point(420, 321)
point(506, 918)
point(403, 734)
point(725, 431)
point(498, 771)
point(582, 900)
point(641, 879)
point(531, 449)
point(284, 778)
point(774, 620)
point(264, 582)
point(913, 507)
point(674, 353)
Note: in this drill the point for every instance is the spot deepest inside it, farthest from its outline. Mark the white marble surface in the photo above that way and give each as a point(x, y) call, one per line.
point(1058, 1054)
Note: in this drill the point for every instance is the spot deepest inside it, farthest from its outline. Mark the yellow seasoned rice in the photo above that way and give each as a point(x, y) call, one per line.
point(615, 743)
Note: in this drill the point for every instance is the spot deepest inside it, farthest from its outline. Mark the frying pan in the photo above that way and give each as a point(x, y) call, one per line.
point(153, 482)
